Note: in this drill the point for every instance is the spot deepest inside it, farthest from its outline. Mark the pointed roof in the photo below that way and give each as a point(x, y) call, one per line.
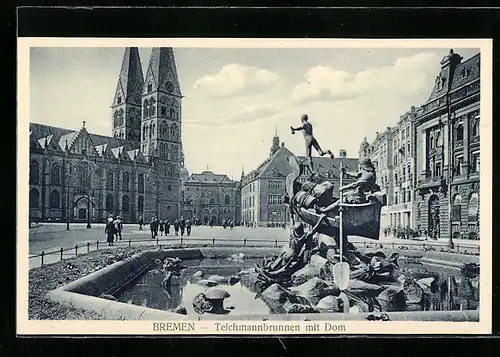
point(131, 79)
point(162, 69)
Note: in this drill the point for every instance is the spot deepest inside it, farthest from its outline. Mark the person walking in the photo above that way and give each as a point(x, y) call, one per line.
point(167, 227)
point(118, 227)
point(110, 231)
point(176, 227)
point(231, 224)
point(188, 227)
point(141, 222)
point(182, 225)
point(162, 227)
point(152, 228)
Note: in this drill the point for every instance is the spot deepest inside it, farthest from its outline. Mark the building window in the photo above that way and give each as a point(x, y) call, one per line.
point(140, 204)
point(152, 107)
point(34, 172)
point(125, 204)
point(150, 87)
point(140, 183)
point(34, 198)
point(475, 127)
point(403, 195)
point(145, 109)
point(54, 199)
point(459, 132)
point(274, 199)
point(473, 209)
point(126, 181)
point(403, 178)
point(437, 170)
point(227, 199)
point(409, 196)
point(456, 208)
point(109, 180)
point(475, 162)
point(55, 174)
point(396, 198)
point(275, 184)
point(458, 165)
point(109, 203)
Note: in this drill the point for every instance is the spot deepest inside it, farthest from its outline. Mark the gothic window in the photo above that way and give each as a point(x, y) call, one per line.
point(163, 107)
point(55, 174)
point(150, 131)
point(227, 199)
point(34, 172)
point(119, 99)
point(456, 208)
point(464, 73)
point(140, 204)
point(171, 112)
point(120, 117)
point(152, 107)
point(169, 169)
point(150, 87)
point(83, 177)
point(34, 198)
point(125, 181)
point(144, 132)
point(54, 199)
point(109, 180)
point(153, 127)
point(163, 150)
point(115, 119)
point(473, 209)
point(173, 153)
point(212, 201)
point(125, 204)
point(173, 131)
point(109, 203)
point(140, 183)
point(175, 169)
point(145, 108)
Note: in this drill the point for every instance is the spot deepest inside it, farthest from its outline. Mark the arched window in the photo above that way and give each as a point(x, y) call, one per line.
point(34, 198)
point(125, 204)
point(83, 178)
point(173, 131)
point(34, 172)
point(109, 180)
point(456, 209)
point(150, 87)
point(109, 203)
point(55, 199)
point(163, 107)
point(164, 150)
point(55, 174)
point(475, 126)
point(174, 155)
point(120, 116)
point(227, 199)
point(175, 169)
point(164, 129)
point(169, 169)
point(140, 183)
point(152, 107)
point(126, 185)
point(473, 209)
point(153, 132)
point(171, 112)
point(145, 109)
point(140, 204)
point(144, 132)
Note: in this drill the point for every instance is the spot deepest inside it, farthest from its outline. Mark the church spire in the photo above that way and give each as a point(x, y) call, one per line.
point(276, 143)
point(162, 72)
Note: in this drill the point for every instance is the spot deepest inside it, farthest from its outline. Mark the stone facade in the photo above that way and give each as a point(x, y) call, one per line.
point(451, 115)
point(263, 189)
point(212, 197)
point(78, 176)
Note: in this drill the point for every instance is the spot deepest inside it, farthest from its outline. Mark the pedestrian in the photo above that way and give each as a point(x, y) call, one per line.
point(152, 228)
point(118, 227)
point(188, 227)
point(176, 227)
point(211, 223)
point(157, 225)
point(224, 224)
point(141, 223)
point(231, 224)
point(162, 227)
point(110, 231)
point(167, 227)
point(182, 225)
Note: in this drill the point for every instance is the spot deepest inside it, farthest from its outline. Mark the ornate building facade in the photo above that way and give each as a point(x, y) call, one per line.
point(451, 112)
point(211, 197)
point(263, 189)
point(79, 176)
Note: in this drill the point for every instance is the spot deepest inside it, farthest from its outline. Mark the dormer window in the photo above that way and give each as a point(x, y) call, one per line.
point(464, 74)
point(119, 99)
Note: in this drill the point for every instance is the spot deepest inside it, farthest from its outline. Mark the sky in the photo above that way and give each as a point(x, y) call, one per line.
point(235, 99)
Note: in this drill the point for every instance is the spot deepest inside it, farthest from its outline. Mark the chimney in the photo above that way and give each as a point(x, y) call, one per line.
point(282, 145)
point(342, 153)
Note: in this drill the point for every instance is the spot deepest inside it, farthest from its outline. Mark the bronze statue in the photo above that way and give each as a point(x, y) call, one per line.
point(310, 141)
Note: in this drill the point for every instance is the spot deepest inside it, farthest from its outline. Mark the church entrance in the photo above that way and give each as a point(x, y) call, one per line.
point(81, 210)
point(82, 213)
point(433, 217)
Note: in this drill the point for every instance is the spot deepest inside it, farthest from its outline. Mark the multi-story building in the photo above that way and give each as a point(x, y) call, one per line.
point(212, 198)
point(79, 176)
point(447, 138)
point(263, 189)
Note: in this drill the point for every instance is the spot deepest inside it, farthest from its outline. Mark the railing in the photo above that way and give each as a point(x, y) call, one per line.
point(241, 242)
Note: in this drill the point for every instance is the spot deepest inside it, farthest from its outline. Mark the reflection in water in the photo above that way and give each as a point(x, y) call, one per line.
point(147, 289)
point(450, 291)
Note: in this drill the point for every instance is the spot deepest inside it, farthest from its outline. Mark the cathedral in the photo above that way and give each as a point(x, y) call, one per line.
point(79, 176)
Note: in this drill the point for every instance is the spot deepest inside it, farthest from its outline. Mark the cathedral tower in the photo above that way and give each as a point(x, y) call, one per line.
point(126, 107)
point(161, 128)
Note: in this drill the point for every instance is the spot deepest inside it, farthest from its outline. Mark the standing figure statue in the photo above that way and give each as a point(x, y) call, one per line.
point(310, 141)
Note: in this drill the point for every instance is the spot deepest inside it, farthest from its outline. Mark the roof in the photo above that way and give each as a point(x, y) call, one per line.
point(131, 79)
point(209, 177)
point(58, 137)
point(162, 68)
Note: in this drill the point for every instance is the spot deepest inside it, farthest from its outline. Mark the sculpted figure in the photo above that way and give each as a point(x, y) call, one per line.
point(310, 141)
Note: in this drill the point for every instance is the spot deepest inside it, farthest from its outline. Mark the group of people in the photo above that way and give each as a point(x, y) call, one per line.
point(163, 226)
point(113, 230)
point(229, 223)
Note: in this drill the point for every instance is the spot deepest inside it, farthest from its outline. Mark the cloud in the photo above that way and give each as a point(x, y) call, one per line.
point(235, 79)
point(406, 77)
point(245, 115)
